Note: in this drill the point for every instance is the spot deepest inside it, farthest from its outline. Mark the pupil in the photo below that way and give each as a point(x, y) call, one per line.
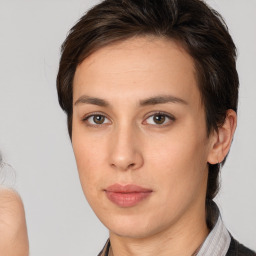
point(98, 119)
point(159, 119)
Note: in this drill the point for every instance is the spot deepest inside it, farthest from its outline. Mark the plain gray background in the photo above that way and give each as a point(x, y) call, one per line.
point(34, 138)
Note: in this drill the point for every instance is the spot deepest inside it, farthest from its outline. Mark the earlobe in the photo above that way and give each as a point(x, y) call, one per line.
point(222, 139)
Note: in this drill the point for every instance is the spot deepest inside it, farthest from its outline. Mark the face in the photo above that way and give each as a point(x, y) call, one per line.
point(139, 136)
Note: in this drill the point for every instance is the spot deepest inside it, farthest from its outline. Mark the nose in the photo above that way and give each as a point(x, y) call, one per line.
point(125, 151)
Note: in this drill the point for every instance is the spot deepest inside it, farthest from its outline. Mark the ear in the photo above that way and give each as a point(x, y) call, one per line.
point(222, 139)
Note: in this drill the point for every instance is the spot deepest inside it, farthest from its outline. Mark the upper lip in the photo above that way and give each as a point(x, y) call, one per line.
point(129, 188)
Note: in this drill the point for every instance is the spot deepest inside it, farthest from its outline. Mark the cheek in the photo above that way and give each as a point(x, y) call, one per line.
point(178, 161)
point(179, 149)
point(90, 169)
point(180, 178)
point(89, 154)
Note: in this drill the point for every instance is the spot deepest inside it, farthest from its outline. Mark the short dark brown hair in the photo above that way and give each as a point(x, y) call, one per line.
point(199, 29)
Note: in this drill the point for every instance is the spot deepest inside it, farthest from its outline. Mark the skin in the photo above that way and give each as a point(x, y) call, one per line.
point(13, 230)
point(129, 147)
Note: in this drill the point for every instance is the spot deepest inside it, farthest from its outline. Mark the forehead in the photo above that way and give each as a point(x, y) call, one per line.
point(138, 67)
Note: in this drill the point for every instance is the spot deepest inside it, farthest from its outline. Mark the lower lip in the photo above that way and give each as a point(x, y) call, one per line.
point(127, 199)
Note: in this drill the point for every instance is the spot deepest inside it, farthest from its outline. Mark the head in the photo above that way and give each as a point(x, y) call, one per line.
point(187, 37)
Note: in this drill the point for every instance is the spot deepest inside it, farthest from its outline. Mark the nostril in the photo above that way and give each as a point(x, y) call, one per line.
point(125, 160)
point(127, 167)
point(131, 165)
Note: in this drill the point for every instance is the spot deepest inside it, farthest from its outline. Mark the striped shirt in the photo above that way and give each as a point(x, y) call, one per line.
point(216, 243)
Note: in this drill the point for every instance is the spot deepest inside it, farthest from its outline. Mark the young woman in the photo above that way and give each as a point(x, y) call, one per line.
point(150, 89)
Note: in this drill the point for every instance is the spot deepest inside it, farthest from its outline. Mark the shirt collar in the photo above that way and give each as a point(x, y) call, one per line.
point(218, 240)
point(216, 243)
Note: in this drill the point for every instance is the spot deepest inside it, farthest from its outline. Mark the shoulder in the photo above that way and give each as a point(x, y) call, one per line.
point(11, 207)
point(237, 249)
point(12, 224)
point(9, 196)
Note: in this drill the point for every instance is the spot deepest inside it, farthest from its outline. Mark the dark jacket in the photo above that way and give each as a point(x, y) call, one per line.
point(237, 249)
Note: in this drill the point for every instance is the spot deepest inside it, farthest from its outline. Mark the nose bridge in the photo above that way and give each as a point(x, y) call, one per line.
point(125, 152)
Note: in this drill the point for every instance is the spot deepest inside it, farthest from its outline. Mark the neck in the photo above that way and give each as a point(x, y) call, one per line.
point(183, 238)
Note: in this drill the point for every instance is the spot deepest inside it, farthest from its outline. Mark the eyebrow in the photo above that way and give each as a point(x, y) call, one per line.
point(161, 99)
point(91, 100)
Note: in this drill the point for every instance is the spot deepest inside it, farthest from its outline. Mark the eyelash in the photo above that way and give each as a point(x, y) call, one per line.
point(170, 117)
point(160, 113)
point(85, 119)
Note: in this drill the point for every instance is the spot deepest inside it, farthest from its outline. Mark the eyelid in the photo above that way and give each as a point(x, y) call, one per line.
point(168, 115)
point(87, 116)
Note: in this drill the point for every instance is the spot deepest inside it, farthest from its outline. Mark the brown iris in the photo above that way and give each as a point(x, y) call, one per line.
point(98, 119)
point(159, 119)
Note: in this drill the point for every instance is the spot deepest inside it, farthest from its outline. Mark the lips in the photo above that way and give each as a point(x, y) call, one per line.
point(127, 195)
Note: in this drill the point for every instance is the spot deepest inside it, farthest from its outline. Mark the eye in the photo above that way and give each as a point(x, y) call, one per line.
point(159, 119)
point(96, 119)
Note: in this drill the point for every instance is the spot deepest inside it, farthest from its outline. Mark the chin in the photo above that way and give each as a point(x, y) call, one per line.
point(132, 227)
point(136, 233)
